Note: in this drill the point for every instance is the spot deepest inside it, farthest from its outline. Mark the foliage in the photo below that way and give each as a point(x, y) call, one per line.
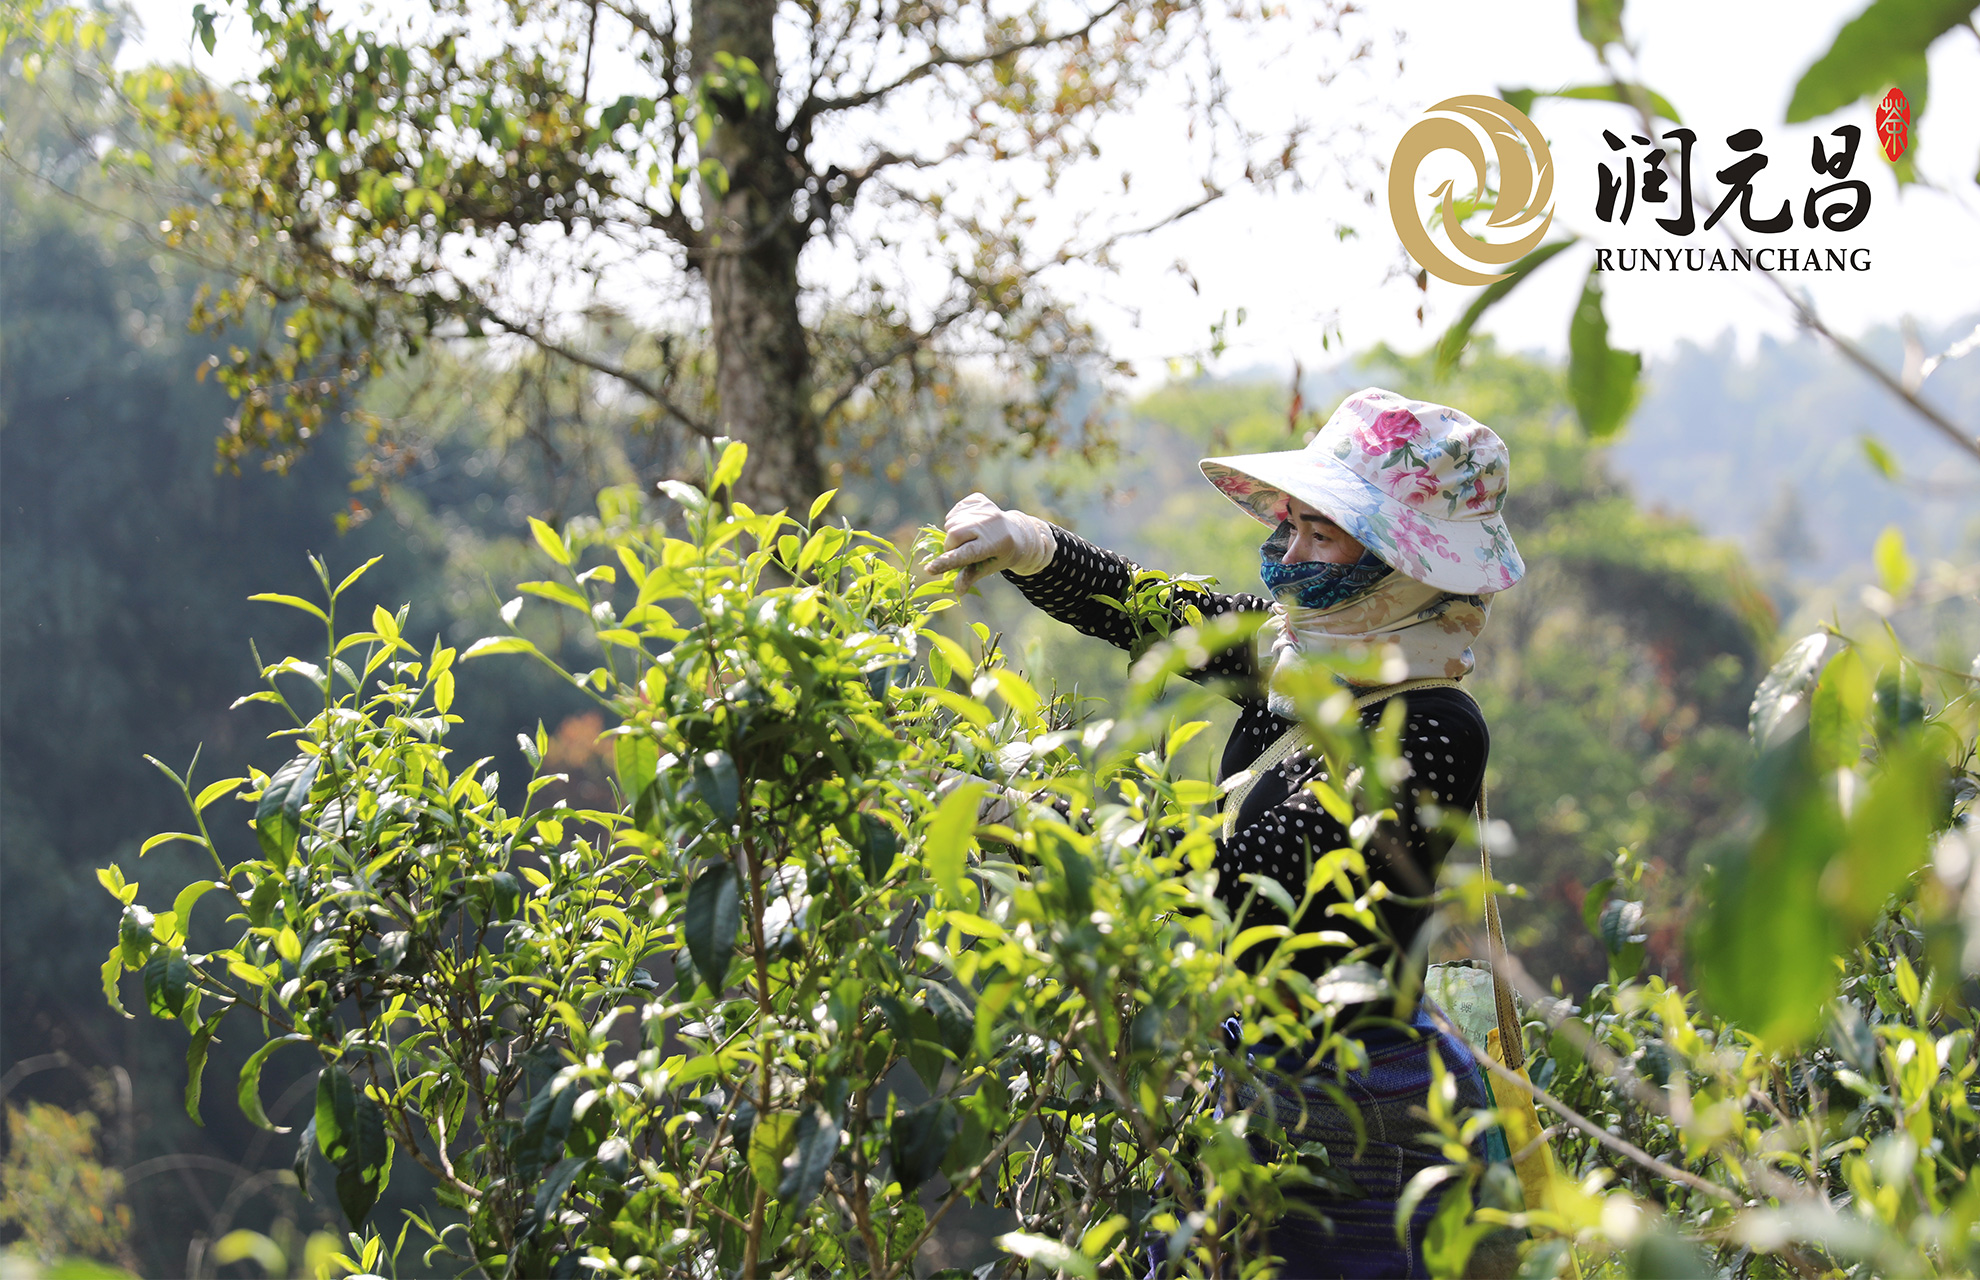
point(857, 1025)
point(1819, 1097)
point(464, 171)
point(1880, 47)
point(59, 1197)
point(915, 1011)
point(124, 628)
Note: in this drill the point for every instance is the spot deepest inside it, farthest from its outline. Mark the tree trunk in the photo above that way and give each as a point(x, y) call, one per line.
point(762, 356)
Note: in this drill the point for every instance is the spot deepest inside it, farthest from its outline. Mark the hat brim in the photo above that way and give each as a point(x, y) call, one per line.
point(1467, 557)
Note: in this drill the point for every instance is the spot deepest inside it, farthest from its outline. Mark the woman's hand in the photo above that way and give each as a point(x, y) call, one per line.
point(983, 538)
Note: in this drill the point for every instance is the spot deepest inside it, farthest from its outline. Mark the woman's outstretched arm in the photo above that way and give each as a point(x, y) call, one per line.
point(1069, 588)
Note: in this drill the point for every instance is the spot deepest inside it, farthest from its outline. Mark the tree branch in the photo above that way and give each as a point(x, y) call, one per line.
point(564, 351)
point(872, 364)
point(1804, 310)
point(819, 106)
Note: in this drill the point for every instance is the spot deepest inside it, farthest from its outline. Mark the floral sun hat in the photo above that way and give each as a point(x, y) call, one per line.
point(1419, 484)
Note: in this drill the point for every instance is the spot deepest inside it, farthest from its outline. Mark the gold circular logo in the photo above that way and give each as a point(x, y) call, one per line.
point(1526, 185)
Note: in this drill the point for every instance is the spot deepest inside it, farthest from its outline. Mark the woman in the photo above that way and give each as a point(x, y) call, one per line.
point(1386, 529)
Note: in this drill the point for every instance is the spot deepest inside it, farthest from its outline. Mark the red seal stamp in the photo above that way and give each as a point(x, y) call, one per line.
point(1894, 124)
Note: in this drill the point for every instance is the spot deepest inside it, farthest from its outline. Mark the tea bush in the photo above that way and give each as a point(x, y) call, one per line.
point(799, 995)
point(790, 1004)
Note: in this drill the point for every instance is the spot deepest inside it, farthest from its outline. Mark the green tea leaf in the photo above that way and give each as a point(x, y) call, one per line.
point(250, 1083)
point(1600, 21)
point(1524, 99)
point(815, 1143)
point(729, 469)
point(770, 1140)
point(716, 781)
point(166, 976)
point(213, 791)
point(1047, 1254)
point(545, 1125)
point(113, 972)
point(294, 602)
point(636, 759)
point(1894, 563)
point(196, 1063)
point(557, 593)
point(555, 1186)
point(261, 904)
point(1882, 46)
point(183, 904)
point(1879, 455)
point(1765, 943)
point(1451, 346)
point(1602, 381)
point(949, 839)
point(954, 1022)
point(552, 545)
point(278, 815)
point(488, 645)
point(336, 1113)
point(711, 921)
point(167, 837)
point(878, 848)
point(1780, 704)
point(367, 1165)
point(919, 1140)
point(354, 575)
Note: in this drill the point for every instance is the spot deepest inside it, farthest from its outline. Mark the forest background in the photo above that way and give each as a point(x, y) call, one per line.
point(1737, 509)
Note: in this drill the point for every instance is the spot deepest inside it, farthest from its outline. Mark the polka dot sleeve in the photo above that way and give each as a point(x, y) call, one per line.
point(1080, 572)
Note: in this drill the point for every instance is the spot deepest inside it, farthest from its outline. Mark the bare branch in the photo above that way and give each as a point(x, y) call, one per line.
point(872, 364)
point(644, 386)
point(939, 61)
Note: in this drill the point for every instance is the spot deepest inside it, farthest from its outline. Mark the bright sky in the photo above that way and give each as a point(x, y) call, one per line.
point(1724, 64)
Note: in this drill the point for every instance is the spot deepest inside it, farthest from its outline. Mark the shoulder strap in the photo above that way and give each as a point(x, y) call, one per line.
point(1512, 1045)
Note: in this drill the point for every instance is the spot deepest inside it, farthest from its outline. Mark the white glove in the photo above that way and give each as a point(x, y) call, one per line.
point(983, 538)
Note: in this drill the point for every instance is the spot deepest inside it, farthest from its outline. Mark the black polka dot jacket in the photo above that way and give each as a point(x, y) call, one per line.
point(1281, 826)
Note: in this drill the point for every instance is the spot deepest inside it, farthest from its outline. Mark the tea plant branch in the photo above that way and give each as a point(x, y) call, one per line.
point(1584, 1041)
point(1589, 1127)
point(977, 1170)
point(860, 1210)
point(767, 1015)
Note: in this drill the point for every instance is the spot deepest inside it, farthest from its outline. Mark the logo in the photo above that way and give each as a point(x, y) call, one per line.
point(1894, 124)
point(1526, 186)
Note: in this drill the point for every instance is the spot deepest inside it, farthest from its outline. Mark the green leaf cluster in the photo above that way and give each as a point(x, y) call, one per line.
point(791, 1002)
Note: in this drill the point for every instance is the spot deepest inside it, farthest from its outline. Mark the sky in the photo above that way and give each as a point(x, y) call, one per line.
point(1303, 292)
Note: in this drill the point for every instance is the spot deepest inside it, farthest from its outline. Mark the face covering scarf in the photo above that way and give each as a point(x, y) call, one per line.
point(1432, 629)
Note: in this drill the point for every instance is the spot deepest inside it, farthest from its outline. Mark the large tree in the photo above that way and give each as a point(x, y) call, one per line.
point(785, 221)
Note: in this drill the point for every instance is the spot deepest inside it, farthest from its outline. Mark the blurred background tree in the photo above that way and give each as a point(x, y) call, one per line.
point(791, 224)
point(60, 1198)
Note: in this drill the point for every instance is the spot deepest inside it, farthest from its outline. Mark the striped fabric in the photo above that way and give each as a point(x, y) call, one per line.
point(1358, 1238)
